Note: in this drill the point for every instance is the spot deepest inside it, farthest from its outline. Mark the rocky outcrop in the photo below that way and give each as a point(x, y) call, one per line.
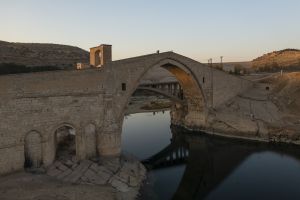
point(37, 54)
point(270, 111)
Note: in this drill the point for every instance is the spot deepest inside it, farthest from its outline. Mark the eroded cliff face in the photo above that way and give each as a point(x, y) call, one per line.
point(269, 111)
point(36, 54)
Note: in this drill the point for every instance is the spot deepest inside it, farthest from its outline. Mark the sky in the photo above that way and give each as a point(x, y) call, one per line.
point(239, 30)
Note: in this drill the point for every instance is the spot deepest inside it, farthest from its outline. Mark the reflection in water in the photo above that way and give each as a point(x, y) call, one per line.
point(263, 175)
point(188, 165)
point(144, 134)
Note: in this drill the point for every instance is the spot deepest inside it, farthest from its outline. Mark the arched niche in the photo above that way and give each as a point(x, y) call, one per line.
point(65, 142)
point(33, 150)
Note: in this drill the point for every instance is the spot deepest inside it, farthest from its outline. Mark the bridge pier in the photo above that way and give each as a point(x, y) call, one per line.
point(109, 144)
point(189, 109)
point(189, 118)
point(80, 145)
point(109, 139)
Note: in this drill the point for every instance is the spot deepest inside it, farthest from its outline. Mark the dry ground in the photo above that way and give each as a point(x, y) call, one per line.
point(25, 186)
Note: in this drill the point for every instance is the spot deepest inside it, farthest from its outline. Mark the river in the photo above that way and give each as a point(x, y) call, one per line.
point(208, 167)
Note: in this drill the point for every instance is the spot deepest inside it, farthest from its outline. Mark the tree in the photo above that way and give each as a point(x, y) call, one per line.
point(275, 66)
point(219, 67)
point(12, 68)
point(238, 69)
point(256, 67)
point(246, 71)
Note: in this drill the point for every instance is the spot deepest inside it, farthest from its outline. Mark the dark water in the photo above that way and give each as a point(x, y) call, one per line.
point(185, 165)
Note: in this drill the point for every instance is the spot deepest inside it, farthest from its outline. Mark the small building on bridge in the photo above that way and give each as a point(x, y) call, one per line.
point(99, 56)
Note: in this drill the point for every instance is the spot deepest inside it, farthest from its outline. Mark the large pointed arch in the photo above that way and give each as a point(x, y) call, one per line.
point(194, 114)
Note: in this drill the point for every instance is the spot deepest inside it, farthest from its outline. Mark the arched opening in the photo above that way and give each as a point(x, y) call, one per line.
point(98, 56)
point(178, 80)
point(192, 113)
point(65, 142)
point(33, 150)
point(186, 108)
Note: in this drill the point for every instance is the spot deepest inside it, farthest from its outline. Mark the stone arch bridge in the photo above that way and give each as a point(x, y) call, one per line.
point(92, 102)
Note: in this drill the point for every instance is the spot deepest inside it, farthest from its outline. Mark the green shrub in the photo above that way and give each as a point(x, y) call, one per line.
point(11, 68)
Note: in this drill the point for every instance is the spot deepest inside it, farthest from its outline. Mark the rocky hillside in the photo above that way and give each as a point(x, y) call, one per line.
point(286, 59)
point(268, 111)
point(287, 92)
point(39, 55)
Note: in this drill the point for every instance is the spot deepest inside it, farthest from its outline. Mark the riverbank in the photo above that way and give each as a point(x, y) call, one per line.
point(140, 104)
point(269, 112)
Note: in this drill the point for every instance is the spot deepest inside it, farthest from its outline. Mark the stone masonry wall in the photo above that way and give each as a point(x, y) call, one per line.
point(43, 102)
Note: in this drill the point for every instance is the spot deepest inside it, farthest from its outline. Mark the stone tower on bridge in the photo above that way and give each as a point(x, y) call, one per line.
point(100, 55)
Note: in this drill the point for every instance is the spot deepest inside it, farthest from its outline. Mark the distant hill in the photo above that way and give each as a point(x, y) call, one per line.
point(288, 59)
point(40, 55)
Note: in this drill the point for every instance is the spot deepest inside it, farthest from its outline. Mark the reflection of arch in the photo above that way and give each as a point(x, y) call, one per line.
point(195, 110)
point(90, 140)
point(33, 150)
point(172, 155)
point(209, 161)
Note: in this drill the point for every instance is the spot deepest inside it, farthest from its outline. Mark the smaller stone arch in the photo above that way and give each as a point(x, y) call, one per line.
point(33, 150)
point(90, 137)
point(71, 125)
point(65, 141)
point(97, 57)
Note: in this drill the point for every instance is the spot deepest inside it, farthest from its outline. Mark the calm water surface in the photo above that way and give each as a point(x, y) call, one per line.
point(195, 166)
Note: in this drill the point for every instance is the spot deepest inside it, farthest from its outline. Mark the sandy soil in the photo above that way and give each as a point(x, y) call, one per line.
point(26, 186)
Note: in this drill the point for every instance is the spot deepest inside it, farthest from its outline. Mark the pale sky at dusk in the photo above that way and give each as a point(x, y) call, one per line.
point(236, 29)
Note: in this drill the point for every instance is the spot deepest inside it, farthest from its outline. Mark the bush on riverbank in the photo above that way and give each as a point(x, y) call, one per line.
point(11, 68)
